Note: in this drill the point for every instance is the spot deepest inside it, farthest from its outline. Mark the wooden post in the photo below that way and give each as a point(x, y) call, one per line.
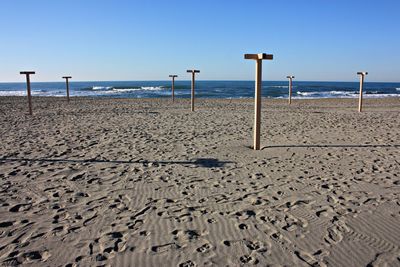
point(362, 75)
point(257, 112)
point(290, 77)
point(173, 86)
point(193, 80)
point(28, 88)
point(67, 82)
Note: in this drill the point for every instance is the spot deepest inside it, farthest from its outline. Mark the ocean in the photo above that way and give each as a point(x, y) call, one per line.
point(204, 89)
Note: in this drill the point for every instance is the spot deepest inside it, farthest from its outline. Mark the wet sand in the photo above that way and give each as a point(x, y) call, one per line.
point(124, 182)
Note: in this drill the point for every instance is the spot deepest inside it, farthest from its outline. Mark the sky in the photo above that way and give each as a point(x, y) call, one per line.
point(109, 40)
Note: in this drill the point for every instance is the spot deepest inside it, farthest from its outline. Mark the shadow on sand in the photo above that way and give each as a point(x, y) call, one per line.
point(330, 146)
point(200, 162)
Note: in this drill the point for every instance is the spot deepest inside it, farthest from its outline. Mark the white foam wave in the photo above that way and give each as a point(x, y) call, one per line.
point(143, 88)
point(342, 94)
point(12, 93)
point(398, 89)
point(152, 88)
point(101, 87)
point(381, 95)
point(122, 90)
point(34, 93)
point(278, 86)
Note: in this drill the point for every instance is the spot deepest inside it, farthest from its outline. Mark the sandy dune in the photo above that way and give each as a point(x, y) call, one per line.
point(116, 182)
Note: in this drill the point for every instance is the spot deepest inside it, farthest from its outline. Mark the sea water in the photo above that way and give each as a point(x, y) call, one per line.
point(204, 89)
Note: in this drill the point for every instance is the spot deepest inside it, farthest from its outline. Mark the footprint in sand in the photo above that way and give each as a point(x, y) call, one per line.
point(106, 246)
point(243, 226)
point(6, 224)
point(247, 259)
point(204, 248)
point(164, 247)
point(188, 263)
point(309, 259)
point(20, 207)
point(333, 236)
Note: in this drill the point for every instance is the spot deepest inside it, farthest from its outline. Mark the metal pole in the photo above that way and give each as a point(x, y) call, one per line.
point(193, 85)
point(67, 90)
point(28, 88)
point(192, 100)
point(290, 77)
point(257, 113)
point(173, 89)
point(290, 91)
point(360, 97)
point(257, 99)
point(67, 84)
point(173, 86)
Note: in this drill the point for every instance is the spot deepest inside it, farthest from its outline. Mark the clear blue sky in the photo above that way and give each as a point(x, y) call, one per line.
point(147, 40)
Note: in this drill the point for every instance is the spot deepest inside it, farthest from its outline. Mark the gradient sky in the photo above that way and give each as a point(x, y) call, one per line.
point(316, 40)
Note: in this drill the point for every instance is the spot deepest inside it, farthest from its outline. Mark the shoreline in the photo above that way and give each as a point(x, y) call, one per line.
point(369, 104)
point(391, 98)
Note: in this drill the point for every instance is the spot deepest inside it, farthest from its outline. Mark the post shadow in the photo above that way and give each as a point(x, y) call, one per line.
point(331, 146)
point(199, 162)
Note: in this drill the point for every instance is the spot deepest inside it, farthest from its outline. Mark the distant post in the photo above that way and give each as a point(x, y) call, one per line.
point(257, 113)
point(173, 86)
point(290, 87)
point(193, 80)
point(28, 88)
point(362, 75)
point(67, 82)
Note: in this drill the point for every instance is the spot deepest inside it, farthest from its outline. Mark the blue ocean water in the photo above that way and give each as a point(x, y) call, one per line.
point(204, 89)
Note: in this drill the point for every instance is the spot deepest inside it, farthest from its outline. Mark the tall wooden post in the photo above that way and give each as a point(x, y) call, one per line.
point(257, 111)
point(67, 83)
point(28, 88)
point(173, 86)
point(362, 75)
point(193, 83)
point(290, 77)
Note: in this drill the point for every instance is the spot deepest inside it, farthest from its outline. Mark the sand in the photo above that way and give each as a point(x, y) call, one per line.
point(123, 182)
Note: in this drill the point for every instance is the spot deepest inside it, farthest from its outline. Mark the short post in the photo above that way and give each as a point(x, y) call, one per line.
point(290, 77)
point(28, 88)
point(67, 82)
point(173, 86)
point(257, 113)
point(362, 75)
point(193, 80)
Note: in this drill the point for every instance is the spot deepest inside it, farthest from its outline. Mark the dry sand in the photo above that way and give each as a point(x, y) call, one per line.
point(117, 182)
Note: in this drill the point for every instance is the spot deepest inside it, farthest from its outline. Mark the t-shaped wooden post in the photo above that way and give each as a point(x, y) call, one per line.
point(290, 77)
point(257, 113)
point(192, 99)
point(173, 86)
point(28, 88)
point(67, 82)
point(362, 75)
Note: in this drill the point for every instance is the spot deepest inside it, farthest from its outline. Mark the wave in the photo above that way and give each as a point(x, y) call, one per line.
point(124, 88)
point(101, 87)
point(33, 92)
point(344, 94)
point(13, 93)
point(142, 88)
point(398, 89)
point(152, 88)
point(277, 86)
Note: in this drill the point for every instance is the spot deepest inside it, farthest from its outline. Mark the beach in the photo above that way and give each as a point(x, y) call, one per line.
point(147, 182)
